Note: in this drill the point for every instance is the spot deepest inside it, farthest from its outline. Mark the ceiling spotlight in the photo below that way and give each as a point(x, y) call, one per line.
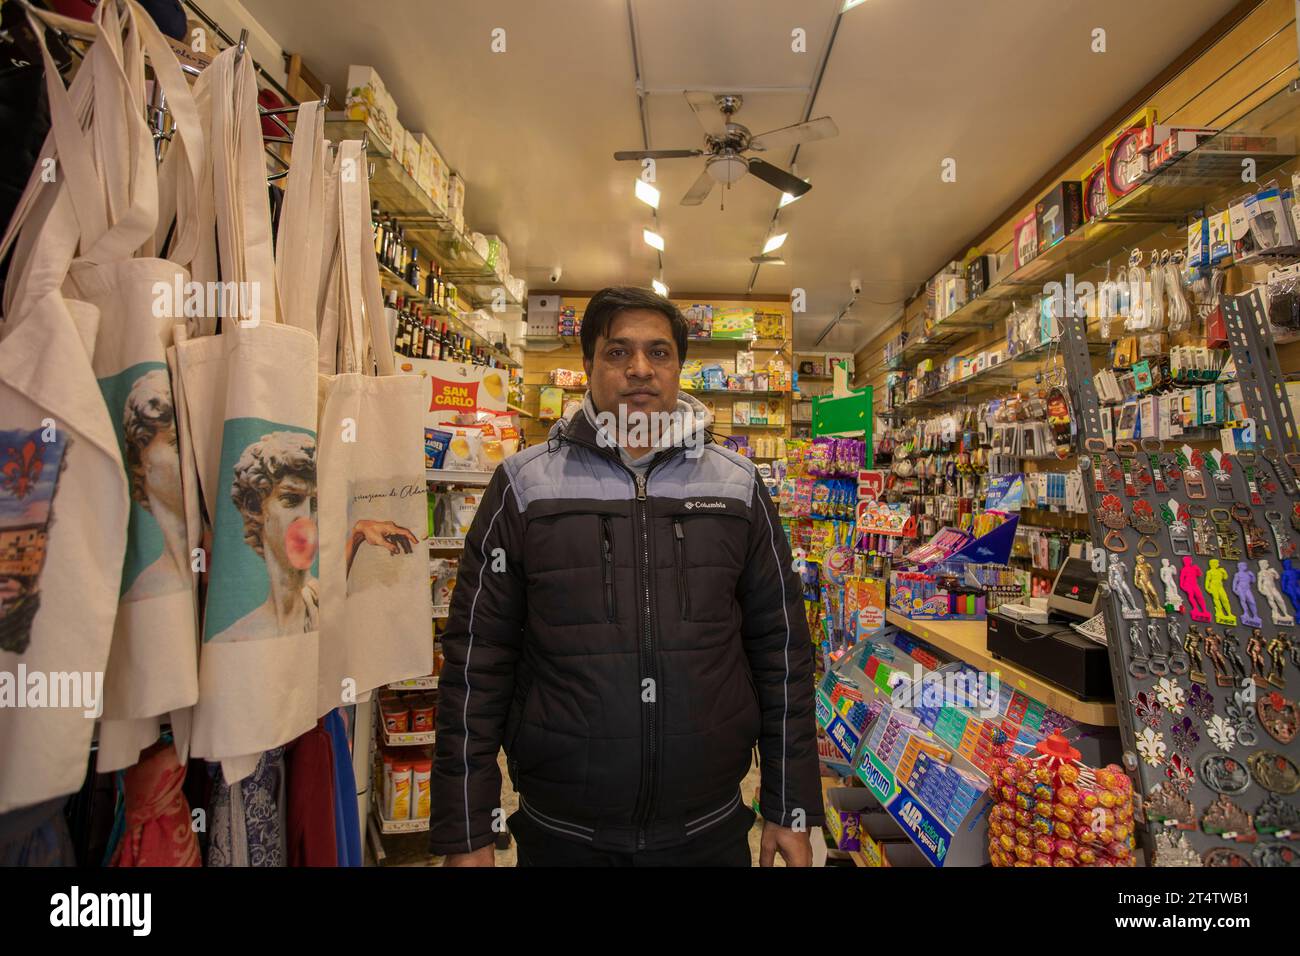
point(659, 287)
point(647, 193)
point(774, 243)
point(653, 239)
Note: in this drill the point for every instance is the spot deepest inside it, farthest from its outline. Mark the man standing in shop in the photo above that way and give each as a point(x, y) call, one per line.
point(627, 625)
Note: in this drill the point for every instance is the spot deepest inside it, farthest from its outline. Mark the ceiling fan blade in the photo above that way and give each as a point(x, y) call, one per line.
point(699, 190)
point(778, 177)
point(706, 111)
point(821, 128)
point(657, 153)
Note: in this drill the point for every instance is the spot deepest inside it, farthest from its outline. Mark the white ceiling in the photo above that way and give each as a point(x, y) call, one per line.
point(1006, 87)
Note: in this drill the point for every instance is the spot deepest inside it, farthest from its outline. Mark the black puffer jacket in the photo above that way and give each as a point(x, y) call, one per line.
point(628, 641)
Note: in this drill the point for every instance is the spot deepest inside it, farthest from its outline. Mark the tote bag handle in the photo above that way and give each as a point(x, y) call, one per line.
point(298, 243)
point(239, 177)
point(363, 300)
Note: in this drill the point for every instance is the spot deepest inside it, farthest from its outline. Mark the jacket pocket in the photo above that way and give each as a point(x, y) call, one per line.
point(607, 567)
point(679, 545)
point(515, 726)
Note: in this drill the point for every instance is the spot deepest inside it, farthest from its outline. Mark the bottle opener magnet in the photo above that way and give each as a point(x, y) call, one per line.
point(1137, 665)
point(1192, 645)
point(1189, 579)
point(1178, 662)
point(1096, 449)
point(1249, 466)
point(1142, 579)
point(1194, 475)
point(1126, 451)
point(1144, 518)
point(1176, 519)
point(1202, 530)
point(1222, 476)
point(1152, 447)
point(1215, 580)
point(1284, 476)
point(1223, 531)
point(1284, 545)
point(1120, 589)
point(1256, 543)
point(1111, 512)
point(1158, 662)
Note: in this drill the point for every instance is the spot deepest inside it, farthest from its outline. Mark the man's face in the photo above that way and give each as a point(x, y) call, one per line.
point(635, 364)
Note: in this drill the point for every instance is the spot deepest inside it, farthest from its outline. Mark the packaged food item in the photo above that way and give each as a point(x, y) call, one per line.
point(507, 428)
point(424, 712)
point(442, 572)
point(436, 441)
point(494, 384)
point(386, 780)
point(568, 378)
point(434, 177)
point(368, 102)
point(457, 512)
point(400, 805)
point(550, 404)
point(421, 771)
point(397, 716)
point(464, 449)
point(1055, 811)
point(456, 201)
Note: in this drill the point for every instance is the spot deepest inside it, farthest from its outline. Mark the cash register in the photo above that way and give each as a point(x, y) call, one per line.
point(1047, 645)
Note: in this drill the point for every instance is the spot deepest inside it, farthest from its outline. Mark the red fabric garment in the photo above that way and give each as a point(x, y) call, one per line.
point(158, 826)
point(309, 800)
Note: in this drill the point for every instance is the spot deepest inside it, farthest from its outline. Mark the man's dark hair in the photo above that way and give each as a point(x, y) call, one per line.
point(606, 304)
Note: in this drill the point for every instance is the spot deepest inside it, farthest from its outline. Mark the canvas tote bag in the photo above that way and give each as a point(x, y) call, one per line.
point(251, 399)
point(376, 607)
point(152, 667)
point(63, 491)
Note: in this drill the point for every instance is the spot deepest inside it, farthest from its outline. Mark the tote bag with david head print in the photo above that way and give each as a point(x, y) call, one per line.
point(251, 399)
point(376, 606)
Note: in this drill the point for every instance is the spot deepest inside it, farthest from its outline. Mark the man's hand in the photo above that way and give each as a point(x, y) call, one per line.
point(795, 847)
point(483, 856)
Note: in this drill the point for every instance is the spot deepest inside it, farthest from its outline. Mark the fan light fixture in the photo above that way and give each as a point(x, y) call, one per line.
point(653, 239)
point(659, 287)
point(774, 243)
point(647, 193)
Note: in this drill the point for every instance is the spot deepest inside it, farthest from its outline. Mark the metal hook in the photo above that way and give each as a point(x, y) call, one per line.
point(243, 45)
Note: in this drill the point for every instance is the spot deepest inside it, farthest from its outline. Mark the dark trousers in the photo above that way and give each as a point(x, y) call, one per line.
point(726, 844)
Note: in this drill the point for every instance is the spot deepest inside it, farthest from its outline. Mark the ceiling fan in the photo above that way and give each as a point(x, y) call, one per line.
point(725, 141)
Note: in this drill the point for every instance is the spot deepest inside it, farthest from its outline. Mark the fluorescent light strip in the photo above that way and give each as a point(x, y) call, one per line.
point(653, 239)
point(647, 193)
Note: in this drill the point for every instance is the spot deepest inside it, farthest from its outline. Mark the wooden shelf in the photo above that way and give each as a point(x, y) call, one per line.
point(968, 641)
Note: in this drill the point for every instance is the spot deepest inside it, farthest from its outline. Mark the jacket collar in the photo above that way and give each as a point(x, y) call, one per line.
point(579, 424)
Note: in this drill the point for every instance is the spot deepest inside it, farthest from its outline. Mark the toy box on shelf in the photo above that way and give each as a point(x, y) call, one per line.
point(948, 578)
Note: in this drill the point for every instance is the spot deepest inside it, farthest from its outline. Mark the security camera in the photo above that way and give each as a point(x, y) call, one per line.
point(556, 273)
point(855, 284)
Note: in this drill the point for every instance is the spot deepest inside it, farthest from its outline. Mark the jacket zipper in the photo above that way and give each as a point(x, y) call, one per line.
point(648, 666)
point(607, 550)
point(681, 568)
point(641, 511)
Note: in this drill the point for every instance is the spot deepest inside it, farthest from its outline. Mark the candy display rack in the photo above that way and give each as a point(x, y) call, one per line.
point(941, 842)
point(1203, 651)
